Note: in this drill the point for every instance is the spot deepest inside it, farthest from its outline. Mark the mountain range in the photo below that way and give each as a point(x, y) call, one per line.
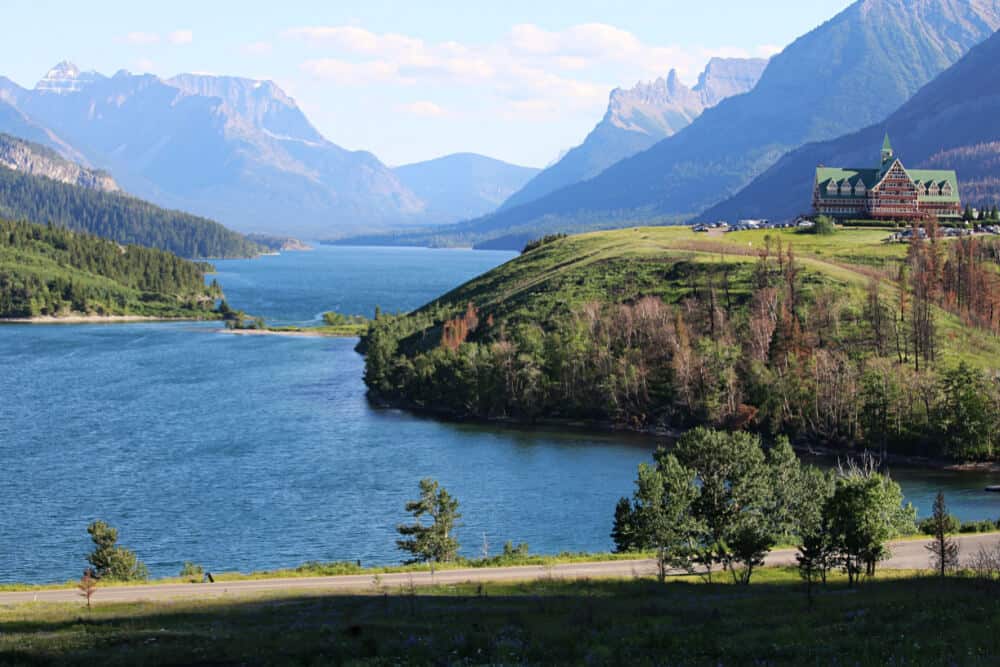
point(952, 123)
point(851, 72)
point(38, 185)
point(639, 117)
point(37, 160)
point(463, 185)
point(233, 149)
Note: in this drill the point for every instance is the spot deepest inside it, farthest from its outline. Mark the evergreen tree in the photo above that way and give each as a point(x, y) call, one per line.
point(434, 543)
point(111, 561)
point(944, 550)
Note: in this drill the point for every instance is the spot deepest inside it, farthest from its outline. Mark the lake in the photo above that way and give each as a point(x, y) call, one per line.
point(252, 452)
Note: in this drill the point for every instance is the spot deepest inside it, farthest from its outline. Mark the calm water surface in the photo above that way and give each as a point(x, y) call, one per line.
point(244, 452)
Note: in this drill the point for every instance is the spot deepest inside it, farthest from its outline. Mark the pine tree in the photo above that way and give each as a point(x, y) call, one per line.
point(944, 550)
point(434, 543)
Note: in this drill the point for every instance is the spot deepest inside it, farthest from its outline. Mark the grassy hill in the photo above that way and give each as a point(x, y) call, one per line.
point(53, 272)
point(825, 338)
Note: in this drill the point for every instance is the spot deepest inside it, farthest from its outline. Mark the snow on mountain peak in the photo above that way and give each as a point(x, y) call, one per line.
point(66, 78)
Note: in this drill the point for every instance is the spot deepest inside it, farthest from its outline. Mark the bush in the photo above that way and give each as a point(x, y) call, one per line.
point(512, 551)
point(926, 526)
point(985, 526)
point(824, 226)
point(192, 572)
point(538, 243)
point(334, 319)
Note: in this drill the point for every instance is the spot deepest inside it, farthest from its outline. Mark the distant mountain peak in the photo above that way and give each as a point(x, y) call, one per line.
point(66, 78)
point(260, 104)
point(639, 117)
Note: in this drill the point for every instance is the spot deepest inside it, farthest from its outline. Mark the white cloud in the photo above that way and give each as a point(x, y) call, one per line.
point(142, 38)
point(532, 70)
point(144, 66)
point(423, 108)
point(180, 37)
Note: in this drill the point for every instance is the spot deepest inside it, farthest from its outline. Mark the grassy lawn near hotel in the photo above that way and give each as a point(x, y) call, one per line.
point(899, 618)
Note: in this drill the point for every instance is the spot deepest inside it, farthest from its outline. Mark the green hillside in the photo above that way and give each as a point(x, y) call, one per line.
point(49, 271)
point(118, 217)
point(843, 339)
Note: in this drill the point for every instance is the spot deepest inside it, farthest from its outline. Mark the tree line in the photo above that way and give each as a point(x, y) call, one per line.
point(118, 217)
point(765, 347)
point(723, 500)
point(49, 270)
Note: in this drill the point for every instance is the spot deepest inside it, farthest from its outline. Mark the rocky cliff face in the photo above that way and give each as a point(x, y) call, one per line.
point(37, 160)
point(639, 117)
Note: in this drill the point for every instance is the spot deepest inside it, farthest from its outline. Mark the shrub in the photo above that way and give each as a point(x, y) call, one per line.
point(926, 526)
point(985, 526)
point(824, 226)
point(192, 572)
point(538, 243)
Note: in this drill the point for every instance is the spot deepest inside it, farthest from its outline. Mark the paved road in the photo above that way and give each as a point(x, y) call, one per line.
point(909, 555)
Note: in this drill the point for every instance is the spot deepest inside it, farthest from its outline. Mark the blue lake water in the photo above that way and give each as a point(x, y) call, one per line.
point(243, 452)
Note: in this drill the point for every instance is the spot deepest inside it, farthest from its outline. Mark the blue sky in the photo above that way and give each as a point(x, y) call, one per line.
point(518, 80)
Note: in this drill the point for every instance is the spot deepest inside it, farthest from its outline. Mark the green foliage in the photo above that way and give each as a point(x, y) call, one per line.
point(944, 550)
point(47, 270)
point(717, 498)
point(865, 511)
point(968, 414)
point(951, 525)
point(192, 572)
point(111, 561)
point(545, 240)
point(434, 543)
point(662, 329)
point(824, 226)
point(334, 319)
point(118, 217)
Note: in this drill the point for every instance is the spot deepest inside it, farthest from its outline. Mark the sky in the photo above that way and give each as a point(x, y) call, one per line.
point(411, 80)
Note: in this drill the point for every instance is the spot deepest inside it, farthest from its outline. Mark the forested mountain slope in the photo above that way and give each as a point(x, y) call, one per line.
point(236, 150)
point(117, 217)
point(49, 271)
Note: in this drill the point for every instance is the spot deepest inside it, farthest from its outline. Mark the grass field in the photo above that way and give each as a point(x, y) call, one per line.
point(899, 618)
point(673, 262)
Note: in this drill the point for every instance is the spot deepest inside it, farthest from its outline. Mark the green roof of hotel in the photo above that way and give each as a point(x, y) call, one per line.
point(872, 177)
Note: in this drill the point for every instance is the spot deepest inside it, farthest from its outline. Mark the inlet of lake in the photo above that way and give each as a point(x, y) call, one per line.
point(254, 452)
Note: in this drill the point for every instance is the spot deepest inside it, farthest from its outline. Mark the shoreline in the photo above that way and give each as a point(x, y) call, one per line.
point(97, 319)
point(653, 433)
point(305, 333)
